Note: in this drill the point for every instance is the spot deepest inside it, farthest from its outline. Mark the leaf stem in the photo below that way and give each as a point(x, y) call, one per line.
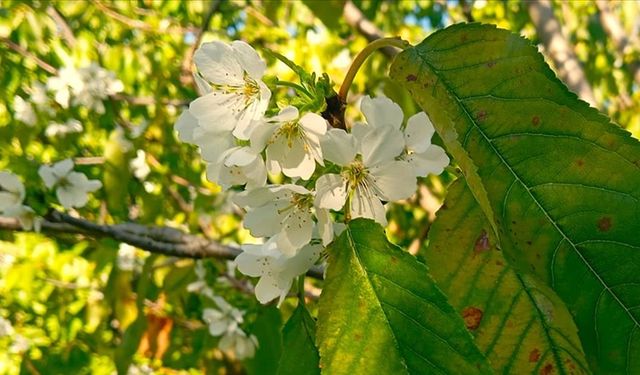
point(301, 289)
point(362, 56)
point(294, 86)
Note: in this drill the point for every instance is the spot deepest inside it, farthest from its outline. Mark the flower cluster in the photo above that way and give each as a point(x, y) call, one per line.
point(325, 172)
point(224, 321)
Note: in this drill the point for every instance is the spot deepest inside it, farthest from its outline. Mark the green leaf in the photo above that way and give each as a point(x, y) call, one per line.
point(380, 313)
point(520, 325)
point(555, 177)
point(300, 355)
point(266, 328)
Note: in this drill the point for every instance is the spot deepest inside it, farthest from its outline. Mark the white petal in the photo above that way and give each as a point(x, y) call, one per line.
point(217, 328)
point(214, 111)
point(203, 86)
point(218, 63)
point(261, 134)
point(297, 162)
point(331, 191)
point(70, 196)
point(381, 111)
point(249, 59)
point(254, 198)
point(185, 126)
point(418, 133)
point(338, 147)
point(365, 204)
point(296, 232)
point(62, 168)
point(252, 265)
point(380, 145)
point(268, 288)
point(433, 161)
point(46, 173)
point(263, 221)
point(325, 226)
point(393, 180)
point(286, 114)
point(213, 145)
point(82, 183)
point(10, 182)
point(314, 123)
point(241, 157)
point(300, 263)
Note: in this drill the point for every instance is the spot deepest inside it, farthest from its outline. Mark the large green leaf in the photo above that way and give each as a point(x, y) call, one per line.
point(380, 313)
point(520, 325)
point(300, 355)
point(556, 178)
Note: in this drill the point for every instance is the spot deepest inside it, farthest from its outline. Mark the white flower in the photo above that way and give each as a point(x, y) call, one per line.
point(72, 187)
point(276, 270)
point(237, 94)
point(39, 96)
point(229, 164)
point(282, 210)
point(292, 142)
point(423, 156)
point(238, 166)
point(24, 111)
point(126, 259)
point(20, 344)
point(238, 343)
point(222, 320)
point(57, 129)
point(86, 86)
point(11, 190)
point(26, 217)
point(6, 329)
point(370, 172)
point(139, 165)
point(200, 286)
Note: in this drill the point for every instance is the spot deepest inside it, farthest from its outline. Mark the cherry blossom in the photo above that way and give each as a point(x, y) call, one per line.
point(71, 187)
point(292, 142)
point(275, 270)
point(237, 96)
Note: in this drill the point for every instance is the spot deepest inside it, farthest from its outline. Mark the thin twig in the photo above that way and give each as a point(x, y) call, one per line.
point(356, 19)
point(162, 240)
point(62, 24)
point(186, 77)
point(22, 51)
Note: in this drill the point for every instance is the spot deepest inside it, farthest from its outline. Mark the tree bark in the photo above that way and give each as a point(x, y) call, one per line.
point(560, 50)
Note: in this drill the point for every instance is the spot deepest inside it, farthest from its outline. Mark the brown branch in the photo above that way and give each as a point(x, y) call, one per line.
point(559, 49)
point(618, 35)
point(467, 8)
point(17, 48)
point(137, 24)
point(186, 76)
point(161, 240)
point(62, 24)
point(357, 20)
point(137, 100)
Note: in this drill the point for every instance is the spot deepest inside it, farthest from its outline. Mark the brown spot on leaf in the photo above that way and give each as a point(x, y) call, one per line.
point(472, 317)
point(499, 263)
point(547, 369)
point(412, 78)
point(481, 116)
point(357, 337)
point(394, 260)
point(529, 243)
point(464, 38)
point(579, 162)
point(535, 121)
point(482, 242)
point(534, 356)
point(491, 64)
point(604, 224)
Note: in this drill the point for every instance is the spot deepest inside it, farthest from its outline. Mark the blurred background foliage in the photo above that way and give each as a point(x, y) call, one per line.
point(72, 308)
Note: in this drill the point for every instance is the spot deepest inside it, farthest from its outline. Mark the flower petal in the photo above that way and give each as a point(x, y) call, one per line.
point(249, 59)
point(331, 191)
point(365, 204)
point(418, 133)
point(393, 180)
point(380, 145)
point(185, 126)
point(433, 161)
point(338, 147)
point(218, 63)
point(381, 111)
point(215, 111)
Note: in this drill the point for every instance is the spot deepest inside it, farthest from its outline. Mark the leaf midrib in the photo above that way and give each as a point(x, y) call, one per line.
point(517, 178)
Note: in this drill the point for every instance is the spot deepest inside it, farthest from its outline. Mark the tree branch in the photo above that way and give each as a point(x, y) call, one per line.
point(62, 24)
point(618, 35)
point(356, 19)
point(161, 240)
point(559, 49)
point(17, 48)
